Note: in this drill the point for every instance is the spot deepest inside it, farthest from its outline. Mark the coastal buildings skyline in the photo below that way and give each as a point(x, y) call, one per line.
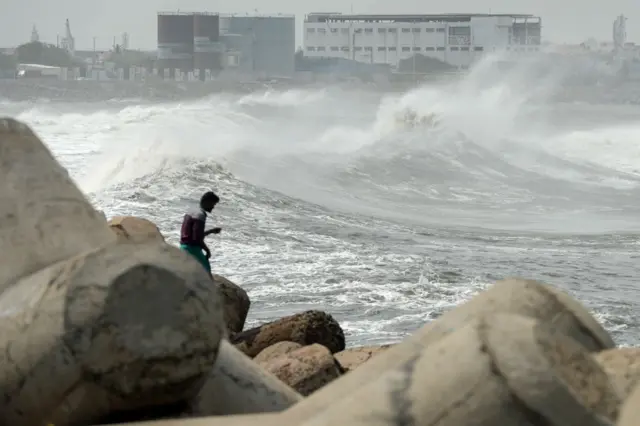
point(97, 24)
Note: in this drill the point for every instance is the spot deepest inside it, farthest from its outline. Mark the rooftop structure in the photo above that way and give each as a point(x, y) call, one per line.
point(443, 17)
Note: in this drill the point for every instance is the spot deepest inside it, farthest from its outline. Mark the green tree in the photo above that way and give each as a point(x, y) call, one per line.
point(44, 54)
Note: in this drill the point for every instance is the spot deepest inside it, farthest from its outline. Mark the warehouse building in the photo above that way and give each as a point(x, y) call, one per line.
point(456, 39)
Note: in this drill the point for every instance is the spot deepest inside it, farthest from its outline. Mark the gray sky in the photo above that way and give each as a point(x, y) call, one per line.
point(570, 21)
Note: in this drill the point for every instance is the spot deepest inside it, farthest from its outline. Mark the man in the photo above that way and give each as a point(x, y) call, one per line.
point(192, 233)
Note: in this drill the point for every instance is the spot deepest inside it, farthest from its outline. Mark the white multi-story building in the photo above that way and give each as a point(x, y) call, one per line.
point(457, 39)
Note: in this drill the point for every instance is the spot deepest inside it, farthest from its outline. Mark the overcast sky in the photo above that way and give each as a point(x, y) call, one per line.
point(570, 21)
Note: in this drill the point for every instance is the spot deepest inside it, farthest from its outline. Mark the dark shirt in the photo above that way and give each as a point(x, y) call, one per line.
point(192, 231)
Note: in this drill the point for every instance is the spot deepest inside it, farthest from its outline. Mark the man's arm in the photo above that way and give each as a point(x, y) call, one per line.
point(212, 231)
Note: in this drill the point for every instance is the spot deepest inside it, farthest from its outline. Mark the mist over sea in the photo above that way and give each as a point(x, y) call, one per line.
point(384, 208)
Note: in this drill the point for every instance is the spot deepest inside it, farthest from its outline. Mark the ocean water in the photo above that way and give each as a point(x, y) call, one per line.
point(332, 201)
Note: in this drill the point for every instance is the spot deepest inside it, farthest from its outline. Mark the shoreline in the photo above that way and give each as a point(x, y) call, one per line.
point(31, 90)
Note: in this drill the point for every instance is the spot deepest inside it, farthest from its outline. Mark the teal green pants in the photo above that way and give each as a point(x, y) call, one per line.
point(198, 253)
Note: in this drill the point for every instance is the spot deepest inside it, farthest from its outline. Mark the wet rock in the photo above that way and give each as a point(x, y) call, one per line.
point(623, 367)
point(518, 296)
point(237, 385)
point(503, 370)
point(274, 351)
point(305, 329)
point(44, 218)
point(235, 302)
point(137, 229)
point(305, 369)
point(352, 358)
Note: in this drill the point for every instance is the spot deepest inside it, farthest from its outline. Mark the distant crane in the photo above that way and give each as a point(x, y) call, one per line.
point(68, 42)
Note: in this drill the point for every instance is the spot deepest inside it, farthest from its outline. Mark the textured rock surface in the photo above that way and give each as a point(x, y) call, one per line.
point(524, 297)
point(305, 328)
point(118, 328)
point(235, 303)
point(352, 358)
point(274, 351)
point(623, 367)
point(502, 370)
point(306, 369)
point(137, 229)
point(630, 411)
point(237, 385)
point(44, 218)
point(264, 419)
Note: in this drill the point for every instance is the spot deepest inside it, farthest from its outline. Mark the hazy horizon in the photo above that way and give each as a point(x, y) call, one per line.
point(569, 21)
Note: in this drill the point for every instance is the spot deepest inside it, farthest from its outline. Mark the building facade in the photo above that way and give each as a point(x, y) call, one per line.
point(188, 42)
point(458, 40)
point(262, 45)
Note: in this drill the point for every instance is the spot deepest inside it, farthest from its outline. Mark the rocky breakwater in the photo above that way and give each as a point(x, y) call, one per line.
point(105, 323)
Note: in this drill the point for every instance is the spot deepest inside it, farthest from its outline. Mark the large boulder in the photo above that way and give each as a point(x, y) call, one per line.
point(136, 229)
point(518, 296)
point(306, 369)
point(44, 218)
point(623, 367)
point(630, 411)
point(120, 328)
point(237, 385)
point(262, 419)
point(235, 302)
point(89, 327)
point(305, 329)
point(352, 358)
point(274, 351)
point(505, 370)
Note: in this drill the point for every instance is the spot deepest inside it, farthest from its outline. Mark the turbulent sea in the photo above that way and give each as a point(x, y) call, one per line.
point(331, 201)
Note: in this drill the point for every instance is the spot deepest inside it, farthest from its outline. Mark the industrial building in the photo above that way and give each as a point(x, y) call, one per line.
point(189, 41)
point(261, 45)
point(456, 39)
point(257, 45)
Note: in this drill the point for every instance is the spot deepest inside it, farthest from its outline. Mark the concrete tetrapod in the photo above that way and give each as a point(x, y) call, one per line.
point(630, 412)
point(623, 367)
point(44, 218)
point(119, 328)
point(237, 385)
point(505, 370)
point(265, 419)
point(517, 296)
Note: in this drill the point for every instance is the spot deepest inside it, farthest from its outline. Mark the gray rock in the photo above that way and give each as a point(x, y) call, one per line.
point(517, 296)
point(119, 328)
point(44, 218)
point(505, 370)
point(237, 385)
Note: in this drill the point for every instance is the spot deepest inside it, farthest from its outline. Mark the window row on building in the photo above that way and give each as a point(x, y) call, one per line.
point(452, 30)
point(392, 49)
point(414, 49)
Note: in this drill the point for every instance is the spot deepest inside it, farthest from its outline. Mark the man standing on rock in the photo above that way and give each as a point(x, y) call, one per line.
point(192, 233)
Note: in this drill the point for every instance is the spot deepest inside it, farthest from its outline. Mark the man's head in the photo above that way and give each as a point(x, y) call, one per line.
point(208, 201)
